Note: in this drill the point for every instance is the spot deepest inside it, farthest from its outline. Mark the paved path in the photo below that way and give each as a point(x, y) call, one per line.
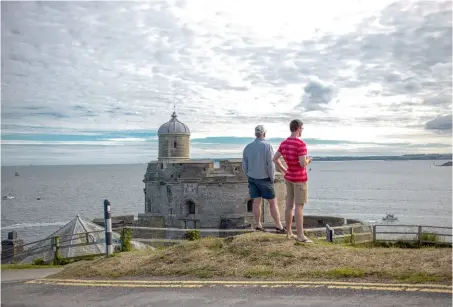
point(27, 274)
point(140, 293)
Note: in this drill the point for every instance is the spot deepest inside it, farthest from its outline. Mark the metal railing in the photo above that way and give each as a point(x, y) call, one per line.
point(52, 244)
point(352, 233)
point(177, 235)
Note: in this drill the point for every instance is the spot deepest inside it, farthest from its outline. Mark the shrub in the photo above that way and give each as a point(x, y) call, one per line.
point(38, 261)
point(193, 235)
point(126, 237)
point(430, 237)
point(63, 261)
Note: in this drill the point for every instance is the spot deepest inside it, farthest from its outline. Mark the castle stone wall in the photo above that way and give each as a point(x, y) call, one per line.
point(213, 192)
point(174, 146)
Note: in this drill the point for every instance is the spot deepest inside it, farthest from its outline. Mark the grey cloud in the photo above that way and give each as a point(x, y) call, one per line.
point(440, 124)
point(412, 57)
point(439, 99)
point(317, 95)
point(112, 58)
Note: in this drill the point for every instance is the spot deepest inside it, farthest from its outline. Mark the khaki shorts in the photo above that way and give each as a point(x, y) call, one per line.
point(297, 191)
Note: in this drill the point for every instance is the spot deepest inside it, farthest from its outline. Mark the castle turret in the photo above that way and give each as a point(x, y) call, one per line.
point(174, 140)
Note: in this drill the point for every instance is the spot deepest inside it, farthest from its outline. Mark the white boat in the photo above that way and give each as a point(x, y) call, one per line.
point(8, 197)
point(390, 217)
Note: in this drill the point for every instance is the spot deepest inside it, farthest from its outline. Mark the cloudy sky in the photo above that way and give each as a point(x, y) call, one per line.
point(91, 82)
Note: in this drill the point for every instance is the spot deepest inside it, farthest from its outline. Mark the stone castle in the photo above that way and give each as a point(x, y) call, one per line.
point(182, 192)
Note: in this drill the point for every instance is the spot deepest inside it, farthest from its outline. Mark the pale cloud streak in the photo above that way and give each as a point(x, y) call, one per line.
point(361, 70)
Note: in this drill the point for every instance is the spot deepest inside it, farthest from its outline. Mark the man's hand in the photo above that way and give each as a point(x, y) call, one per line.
point(309, 159)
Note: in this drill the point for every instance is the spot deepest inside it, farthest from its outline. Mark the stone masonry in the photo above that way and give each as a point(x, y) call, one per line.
point(187, 193)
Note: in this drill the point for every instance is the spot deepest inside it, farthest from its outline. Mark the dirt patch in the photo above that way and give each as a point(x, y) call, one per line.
point(269, 256)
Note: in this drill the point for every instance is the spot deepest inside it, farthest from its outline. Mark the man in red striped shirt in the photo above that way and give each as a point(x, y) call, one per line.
point(294, 152)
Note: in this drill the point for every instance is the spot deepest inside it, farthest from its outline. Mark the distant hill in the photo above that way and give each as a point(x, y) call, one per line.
point(388, 158)
point(449, 163)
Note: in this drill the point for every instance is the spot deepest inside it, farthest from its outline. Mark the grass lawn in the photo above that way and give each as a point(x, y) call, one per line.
point(271, 256)
point(27, 266)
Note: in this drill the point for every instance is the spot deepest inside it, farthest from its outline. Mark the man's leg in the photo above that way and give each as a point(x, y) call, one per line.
point(289, 207)
point(300, 221)
point(275, 213)
point(268, 193)
point(257, 212)
point(255, 194)
point(301, 198)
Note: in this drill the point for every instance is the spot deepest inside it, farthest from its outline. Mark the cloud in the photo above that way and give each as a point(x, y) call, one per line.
point(317, 95)
point(360, 71)
point(440, 124)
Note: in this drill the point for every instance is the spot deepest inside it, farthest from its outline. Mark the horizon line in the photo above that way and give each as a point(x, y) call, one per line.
point(347, 158)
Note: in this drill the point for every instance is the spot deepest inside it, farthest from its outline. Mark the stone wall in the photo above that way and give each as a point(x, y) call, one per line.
point(174, 145)
point(149, 220)
point(11, 247)
point(200, 194)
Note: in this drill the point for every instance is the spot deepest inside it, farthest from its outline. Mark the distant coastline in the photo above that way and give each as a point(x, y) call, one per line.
point(387, 158)
point(445, 157)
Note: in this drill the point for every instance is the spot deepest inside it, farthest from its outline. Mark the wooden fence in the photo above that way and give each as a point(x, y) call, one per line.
point(352, 233)
point(412, 233)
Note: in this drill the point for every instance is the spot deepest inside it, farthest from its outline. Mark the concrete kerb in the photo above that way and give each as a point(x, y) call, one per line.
point(15, 275)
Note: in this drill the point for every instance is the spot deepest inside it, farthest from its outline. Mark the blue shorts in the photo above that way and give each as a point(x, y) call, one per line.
point(261, 188)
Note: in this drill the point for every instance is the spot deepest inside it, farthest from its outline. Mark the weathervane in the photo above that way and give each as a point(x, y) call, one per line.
point(174, 110)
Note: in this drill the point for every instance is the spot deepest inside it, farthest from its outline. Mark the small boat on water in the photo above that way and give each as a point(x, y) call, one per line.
point(390, 217)
point(8, 197)
point(16, 174)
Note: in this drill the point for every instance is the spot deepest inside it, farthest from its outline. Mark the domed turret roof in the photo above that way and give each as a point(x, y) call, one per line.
point(174, 126)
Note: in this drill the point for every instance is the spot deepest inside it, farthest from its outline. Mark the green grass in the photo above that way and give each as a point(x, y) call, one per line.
point(345, 273)
point(27, 266)
point(417, 278)
point(430, 237)
point(270, 256)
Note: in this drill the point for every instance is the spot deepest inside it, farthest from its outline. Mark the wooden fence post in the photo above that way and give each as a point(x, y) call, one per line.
point(351, 233)
point(56, 250)
point(374, 233)
point(329, 233)
point(420, 235)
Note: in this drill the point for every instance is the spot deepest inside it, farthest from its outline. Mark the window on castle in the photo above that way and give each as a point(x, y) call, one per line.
point(190, 206)
point(174, 145)
point(250, 205)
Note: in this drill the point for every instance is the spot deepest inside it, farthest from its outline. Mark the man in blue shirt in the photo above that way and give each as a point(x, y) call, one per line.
point(260, 170)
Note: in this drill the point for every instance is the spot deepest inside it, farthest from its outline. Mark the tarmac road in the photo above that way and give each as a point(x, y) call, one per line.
point(141, 293)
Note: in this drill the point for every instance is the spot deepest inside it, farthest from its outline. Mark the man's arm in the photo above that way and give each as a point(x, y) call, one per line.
point(269, 164)
point(278, 162)
point(304, 160)
point(245, 164)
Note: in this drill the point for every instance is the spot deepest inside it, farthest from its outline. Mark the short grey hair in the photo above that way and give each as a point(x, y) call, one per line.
point(260, 131)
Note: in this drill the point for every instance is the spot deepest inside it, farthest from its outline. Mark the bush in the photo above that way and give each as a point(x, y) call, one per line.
point(430, 237)
point(38, 261)
point(64, 261)
point(126, 237)
point(193, 235)
point(57, 258)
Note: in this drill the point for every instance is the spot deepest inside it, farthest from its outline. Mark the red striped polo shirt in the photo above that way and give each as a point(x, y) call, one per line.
point(291, 149)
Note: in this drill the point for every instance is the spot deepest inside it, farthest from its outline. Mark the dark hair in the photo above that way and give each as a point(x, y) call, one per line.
point(295, 124)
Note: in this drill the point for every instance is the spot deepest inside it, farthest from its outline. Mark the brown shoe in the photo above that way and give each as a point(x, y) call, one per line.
point(282, 231)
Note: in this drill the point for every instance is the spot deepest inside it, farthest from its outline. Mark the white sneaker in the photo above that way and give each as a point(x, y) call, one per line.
point(304, 240)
